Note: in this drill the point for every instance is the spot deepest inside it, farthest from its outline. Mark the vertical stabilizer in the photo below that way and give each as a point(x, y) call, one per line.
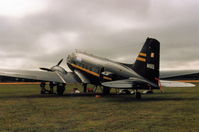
point(148, 61)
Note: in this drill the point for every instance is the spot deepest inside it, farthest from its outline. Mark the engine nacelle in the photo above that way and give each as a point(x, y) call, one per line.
point(59, 69)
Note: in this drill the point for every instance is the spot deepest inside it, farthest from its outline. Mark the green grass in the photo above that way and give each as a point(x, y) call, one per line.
point(23, 109)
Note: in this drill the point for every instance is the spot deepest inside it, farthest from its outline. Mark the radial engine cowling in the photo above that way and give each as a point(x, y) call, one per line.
point(59, 69)
point(56, 68)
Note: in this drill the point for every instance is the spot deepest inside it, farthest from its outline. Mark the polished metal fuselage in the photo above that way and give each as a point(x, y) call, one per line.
point(92, 64)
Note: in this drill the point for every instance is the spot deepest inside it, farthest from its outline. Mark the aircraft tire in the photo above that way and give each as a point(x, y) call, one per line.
point(106, 90)
point(138, 95)
point(60, 89)
point(85, 87)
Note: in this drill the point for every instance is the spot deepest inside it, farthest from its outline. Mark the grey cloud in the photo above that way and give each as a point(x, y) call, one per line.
point(115, 29)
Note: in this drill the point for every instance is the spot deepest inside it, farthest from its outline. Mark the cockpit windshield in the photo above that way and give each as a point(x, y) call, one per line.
point(71, 57)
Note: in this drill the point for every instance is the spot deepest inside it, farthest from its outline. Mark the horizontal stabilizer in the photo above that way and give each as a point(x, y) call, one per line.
point(165, 83)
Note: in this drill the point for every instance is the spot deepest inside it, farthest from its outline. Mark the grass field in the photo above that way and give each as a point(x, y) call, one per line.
point(23, 109)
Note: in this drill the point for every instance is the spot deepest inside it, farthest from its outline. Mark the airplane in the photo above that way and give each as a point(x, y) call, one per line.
point(86, 69)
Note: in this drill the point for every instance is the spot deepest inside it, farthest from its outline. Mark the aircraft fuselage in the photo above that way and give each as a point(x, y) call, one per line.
point(91, 65)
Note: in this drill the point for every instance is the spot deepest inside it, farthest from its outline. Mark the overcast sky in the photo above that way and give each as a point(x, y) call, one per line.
point(38, 33)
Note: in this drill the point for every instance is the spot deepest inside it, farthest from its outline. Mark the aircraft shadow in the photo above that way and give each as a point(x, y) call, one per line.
point(108, 98)
point(148, 99)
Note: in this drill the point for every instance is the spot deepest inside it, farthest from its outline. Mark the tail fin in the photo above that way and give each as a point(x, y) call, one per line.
point(148, 61)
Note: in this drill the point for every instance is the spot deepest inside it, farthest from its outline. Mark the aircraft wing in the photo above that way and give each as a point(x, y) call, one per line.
point(70, 77)
point(179, 74)
point(126, 83)
point(166, 83)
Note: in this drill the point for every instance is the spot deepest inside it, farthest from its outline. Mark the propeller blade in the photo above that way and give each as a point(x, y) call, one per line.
point(46, 69)
point(50, 70)
point(59, 62)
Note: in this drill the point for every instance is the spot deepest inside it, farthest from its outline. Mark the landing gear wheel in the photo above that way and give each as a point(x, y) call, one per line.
point(106, 90)
point(51, 85)
point(85, 87)
point(60, 89)
point(138, 95)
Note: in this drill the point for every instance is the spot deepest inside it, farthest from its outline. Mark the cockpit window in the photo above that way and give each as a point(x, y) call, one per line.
point(71, 57)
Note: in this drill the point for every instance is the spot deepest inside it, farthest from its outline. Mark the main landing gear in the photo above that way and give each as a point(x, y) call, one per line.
point(106, 90)
point(60, 88)
point(137, 95)
point(85, 87)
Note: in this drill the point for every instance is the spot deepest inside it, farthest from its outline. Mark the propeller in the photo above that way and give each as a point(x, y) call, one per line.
point(59, 62)
point(50, 69)
point(45, 69)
